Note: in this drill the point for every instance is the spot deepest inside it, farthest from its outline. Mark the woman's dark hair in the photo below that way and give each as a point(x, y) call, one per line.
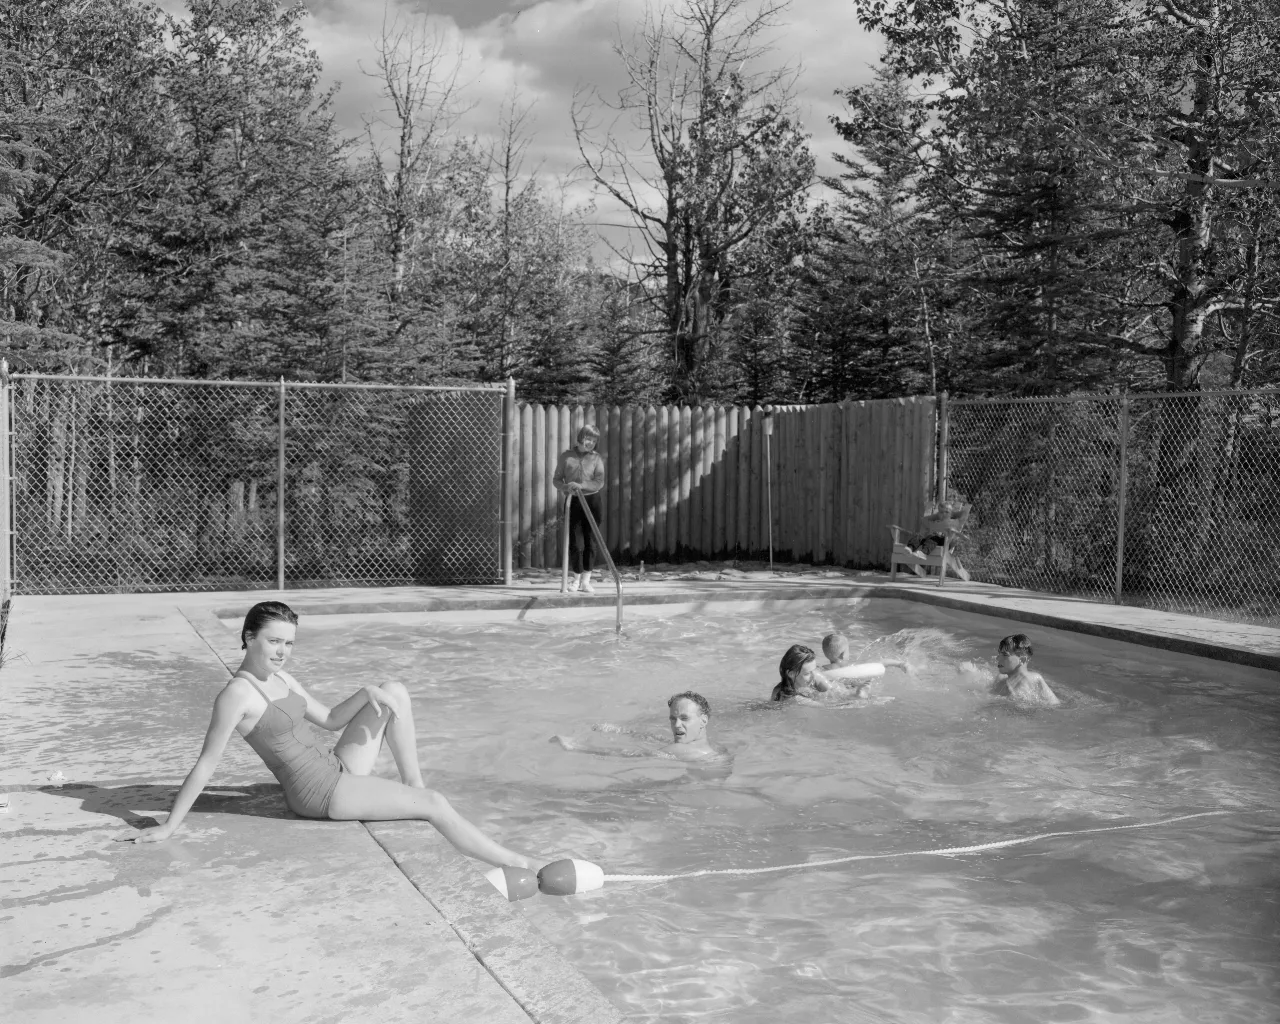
point(702, 703)
point(796, 657)
point(262, 613)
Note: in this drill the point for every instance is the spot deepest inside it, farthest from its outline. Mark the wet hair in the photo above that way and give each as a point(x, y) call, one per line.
point(262, 613)
point(587, 430)
point(797, 656)
point(1018, 645)
point(702, 703)
point(835, 646)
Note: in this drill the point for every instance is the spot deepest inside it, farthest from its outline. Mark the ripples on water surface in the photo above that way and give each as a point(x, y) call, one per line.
point(1172, 924)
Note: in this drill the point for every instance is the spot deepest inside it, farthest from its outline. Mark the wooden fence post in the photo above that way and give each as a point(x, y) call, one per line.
point(508, 478)
point(537, 487)
point(768, 480)
point(527, 529)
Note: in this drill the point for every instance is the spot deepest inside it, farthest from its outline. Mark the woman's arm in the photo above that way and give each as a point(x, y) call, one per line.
point(229, 707)
point(338, 716)
point(557, 479)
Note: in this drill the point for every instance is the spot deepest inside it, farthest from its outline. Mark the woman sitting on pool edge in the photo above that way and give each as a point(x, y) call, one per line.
point(800, 676)
point(267, 705)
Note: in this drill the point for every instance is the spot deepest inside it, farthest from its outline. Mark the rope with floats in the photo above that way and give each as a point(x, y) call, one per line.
point(950, 851)
point(571, 876)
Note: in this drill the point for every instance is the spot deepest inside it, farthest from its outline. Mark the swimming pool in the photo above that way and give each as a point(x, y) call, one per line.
point(1172, 924)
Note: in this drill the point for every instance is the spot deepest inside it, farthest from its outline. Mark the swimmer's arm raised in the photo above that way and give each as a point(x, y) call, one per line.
point(228, 709)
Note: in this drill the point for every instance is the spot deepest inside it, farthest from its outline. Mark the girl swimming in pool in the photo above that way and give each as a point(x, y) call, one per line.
point(266, 705)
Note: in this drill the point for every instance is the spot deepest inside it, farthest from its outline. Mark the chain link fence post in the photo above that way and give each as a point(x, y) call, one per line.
point(944, 443)
point(280, 488)
point(1122, 491)
point(6, 490)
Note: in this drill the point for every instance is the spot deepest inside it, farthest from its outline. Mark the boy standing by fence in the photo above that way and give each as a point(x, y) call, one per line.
point(580, 472)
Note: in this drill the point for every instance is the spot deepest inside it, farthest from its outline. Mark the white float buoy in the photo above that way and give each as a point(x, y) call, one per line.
point(569, 877)
point(866, 670)
point(513, 883)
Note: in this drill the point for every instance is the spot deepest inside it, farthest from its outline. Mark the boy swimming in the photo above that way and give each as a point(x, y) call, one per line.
point(1014, 677)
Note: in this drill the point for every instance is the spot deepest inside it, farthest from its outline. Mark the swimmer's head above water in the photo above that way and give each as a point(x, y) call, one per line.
point(261, 614)
point(836, 648)
point(1014, 650)
point(796, 670)
point(689, 714)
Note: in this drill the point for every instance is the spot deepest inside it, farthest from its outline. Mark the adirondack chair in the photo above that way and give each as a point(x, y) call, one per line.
point(946, 523)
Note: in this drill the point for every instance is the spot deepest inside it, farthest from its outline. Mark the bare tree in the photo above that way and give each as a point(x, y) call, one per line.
point(720, 156)
point(408, 139)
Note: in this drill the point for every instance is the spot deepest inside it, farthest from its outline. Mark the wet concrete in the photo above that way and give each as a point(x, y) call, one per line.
point(247, 916)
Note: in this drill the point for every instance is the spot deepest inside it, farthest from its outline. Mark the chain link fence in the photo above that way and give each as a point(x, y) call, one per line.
point(121, 485)
point(1167, 501)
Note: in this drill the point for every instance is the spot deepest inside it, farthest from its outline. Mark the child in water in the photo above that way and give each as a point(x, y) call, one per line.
point(1014, 676)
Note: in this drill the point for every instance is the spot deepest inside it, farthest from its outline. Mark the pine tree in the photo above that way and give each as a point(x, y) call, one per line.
point(234, 255)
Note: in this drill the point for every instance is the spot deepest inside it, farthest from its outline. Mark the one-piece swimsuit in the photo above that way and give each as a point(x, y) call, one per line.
point(308, 774)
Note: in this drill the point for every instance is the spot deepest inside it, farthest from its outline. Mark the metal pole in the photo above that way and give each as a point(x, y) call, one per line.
point(613, 569)
point(6, 510)
point(564, 543)
point(280, 497)
point(768, 482)
point(508, 491)
point(1122, 495)
point(944, 443)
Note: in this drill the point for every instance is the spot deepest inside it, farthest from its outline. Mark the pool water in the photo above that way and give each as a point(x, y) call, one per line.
point(1177, 923)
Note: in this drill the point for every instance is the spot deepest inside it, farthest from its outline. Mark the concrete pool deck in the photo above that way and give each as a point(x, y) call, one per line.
point(251, 914)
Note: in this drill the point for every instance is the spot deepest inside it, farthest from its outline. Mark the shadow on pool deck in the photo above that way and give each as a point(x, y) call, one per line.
point(251, 913)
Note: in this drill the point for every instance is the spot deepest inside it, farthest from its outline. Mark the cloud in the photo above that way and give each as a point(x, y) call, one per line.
point(545, 51)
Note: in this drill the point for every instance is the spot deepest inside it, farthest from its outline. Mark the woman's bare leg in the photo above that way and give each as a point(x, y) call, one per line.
point(361, 740)
point(369, 798)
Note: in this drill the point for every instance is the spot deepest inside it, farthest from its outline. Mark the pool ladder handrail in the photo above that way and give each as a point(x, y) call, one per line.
point(604, 548)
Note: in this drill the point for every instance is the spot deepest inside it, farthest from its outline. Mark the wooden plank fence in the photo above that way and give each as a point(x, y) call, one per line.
point(686, 482)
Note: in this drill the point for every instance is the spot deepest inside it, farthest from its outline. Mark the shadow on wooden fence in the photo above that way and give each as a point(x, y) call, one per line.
point(690, 482)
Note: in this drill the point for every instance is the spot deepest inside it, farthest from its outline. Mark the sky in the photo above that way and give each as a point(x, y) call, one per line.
point(549, 49)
